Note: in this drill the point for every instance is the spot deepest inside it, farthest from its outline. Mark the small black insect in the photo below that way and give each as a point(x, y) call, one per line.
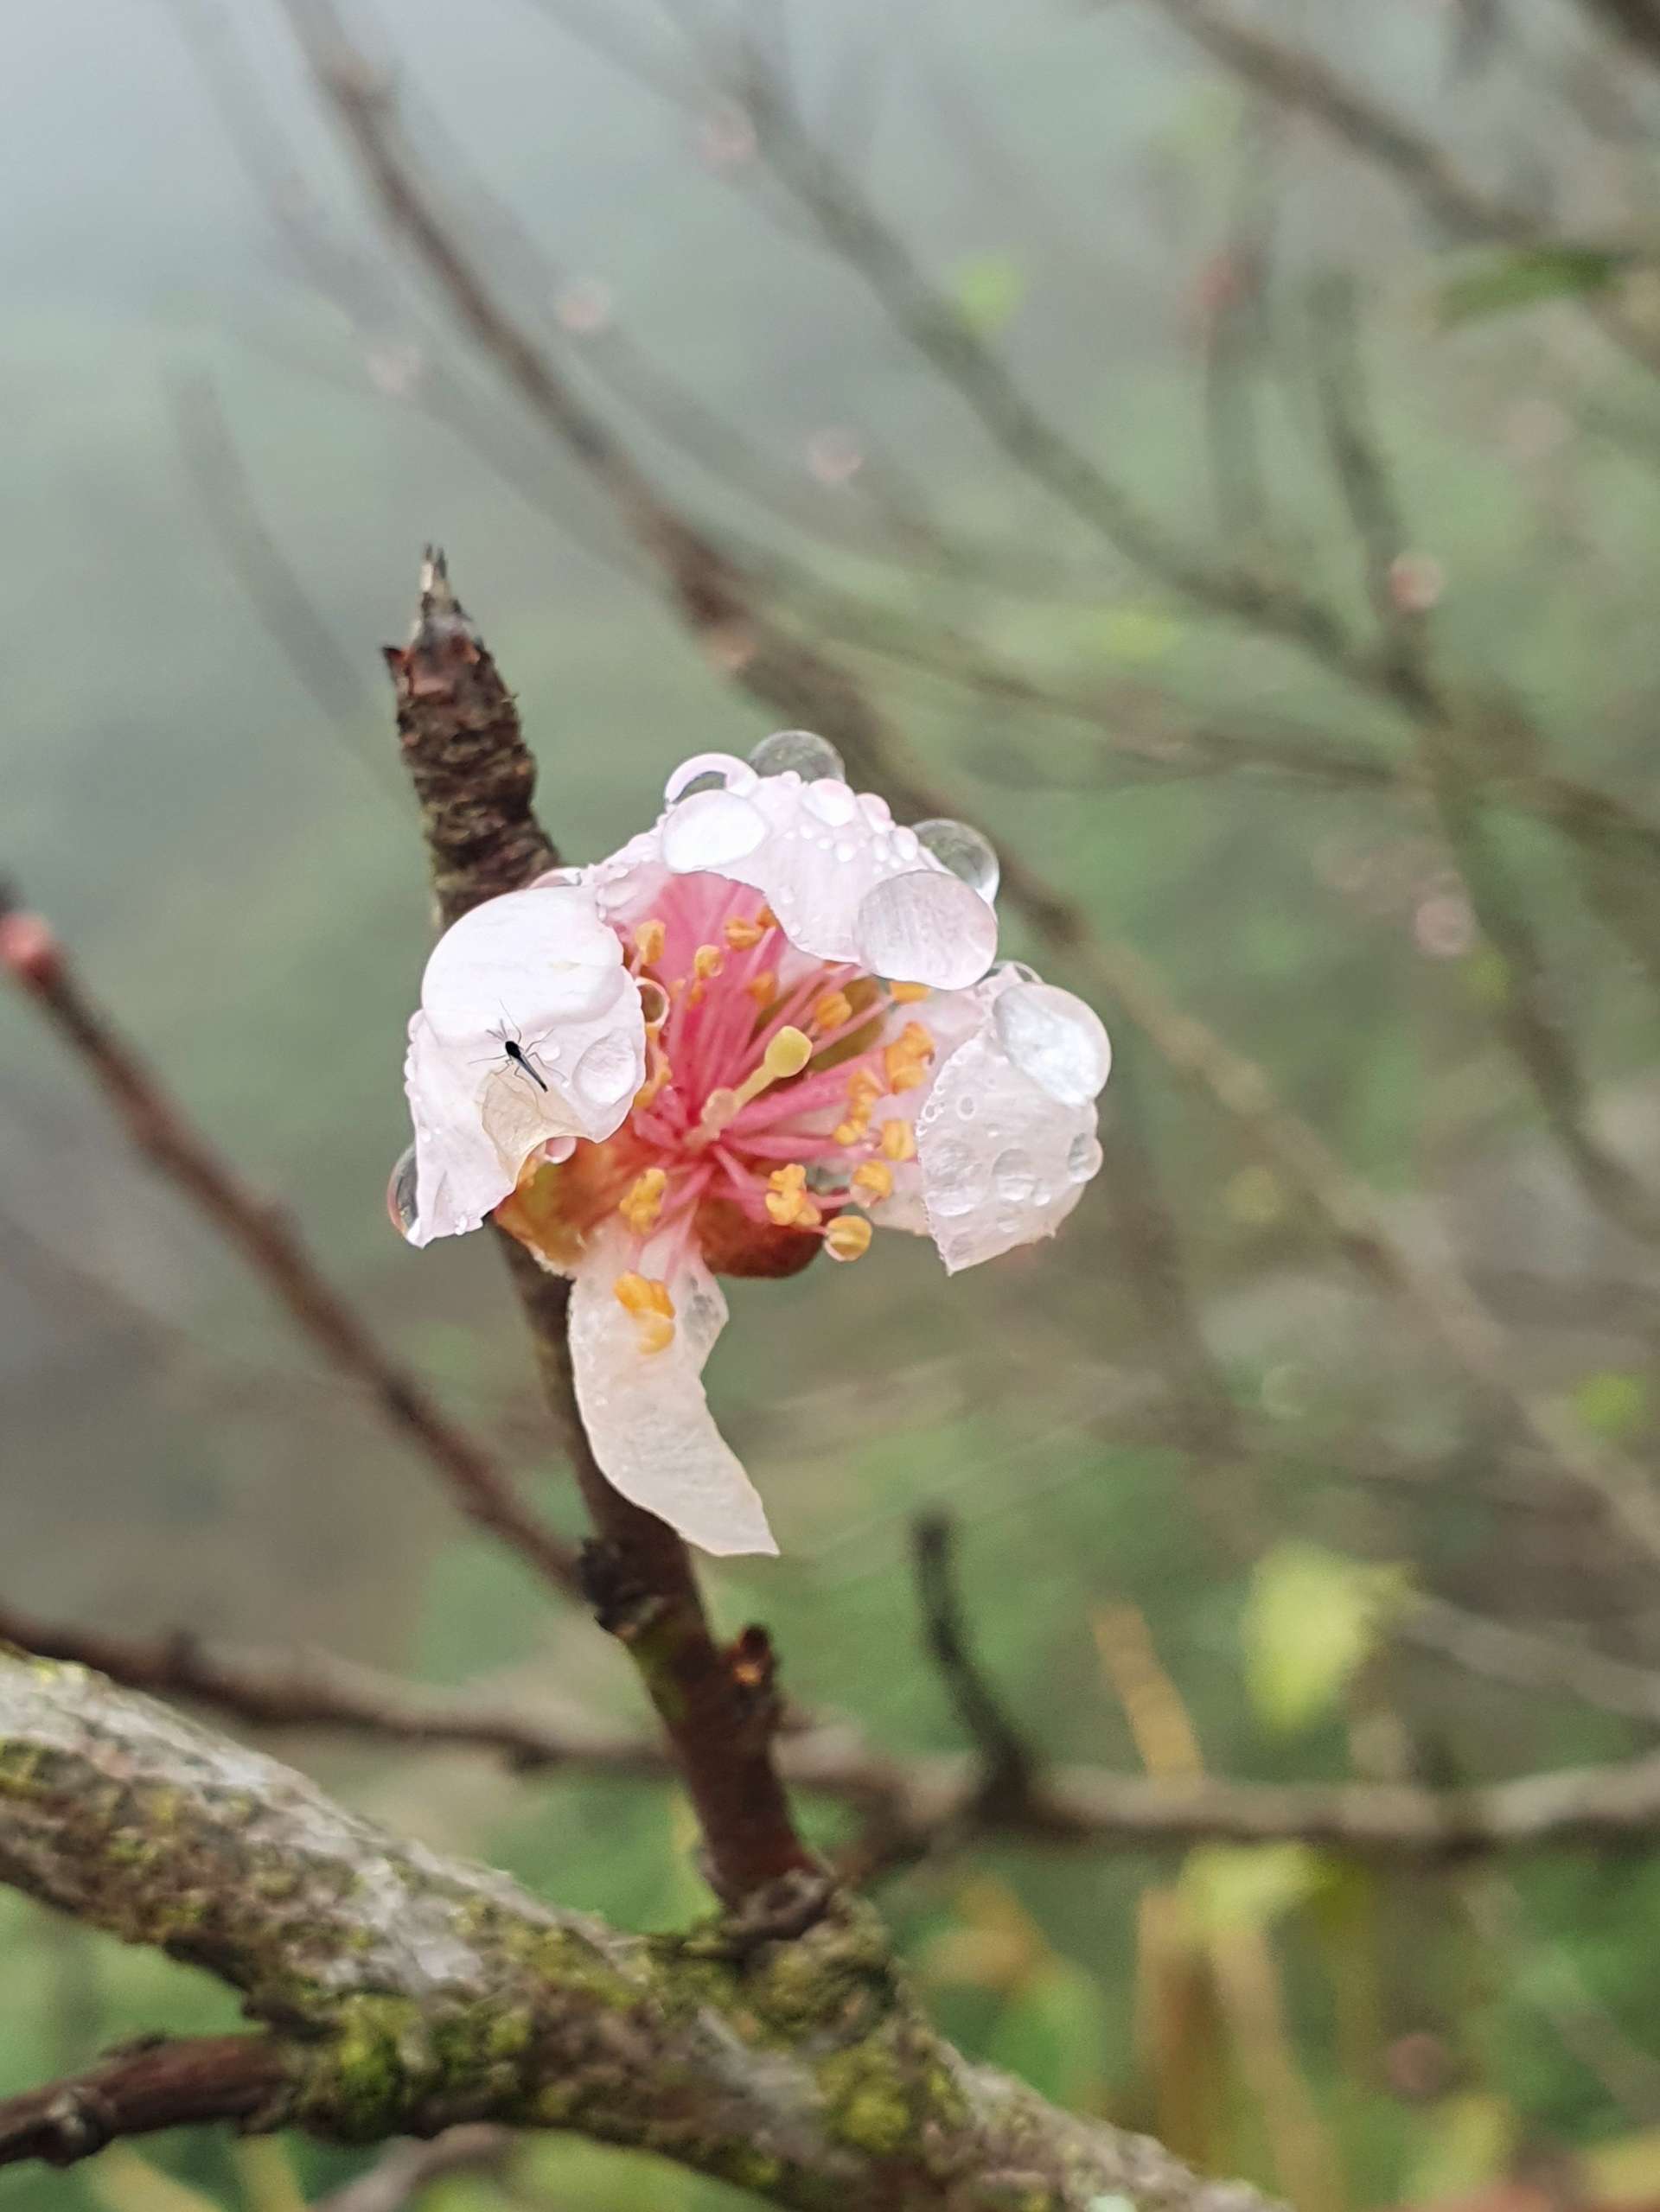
point(515, 1052)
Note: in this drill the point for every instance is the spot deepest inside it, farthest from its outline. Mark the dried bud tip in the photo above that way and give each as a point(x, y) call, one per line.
point(28, 948)
point(441, 615)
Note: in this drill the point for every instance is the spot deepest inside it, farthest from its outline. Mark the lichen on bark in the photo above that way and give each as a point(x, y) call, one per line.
point(406, 1991)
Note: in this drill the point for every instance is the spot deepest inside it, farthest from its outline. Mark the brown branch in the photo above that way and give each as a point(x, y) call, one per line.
point(912, 1807)
point(267, 1243)
point(404, 1992)
point(474, 778)
point(714, 597)
point(141, 2090)
point(1636, 21)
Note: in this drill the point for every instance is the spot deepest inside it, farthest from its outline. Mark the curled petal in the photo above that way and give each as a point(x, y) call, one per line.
point(646, 1413)
point(530, 1032)
point(1003, 1156)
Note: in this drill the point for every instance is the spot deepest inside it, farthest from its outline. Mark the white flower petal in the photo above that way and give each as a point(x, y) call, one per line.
point(816, 852)
point(1003, 1159)
point(646, 1413)
point(538, 970)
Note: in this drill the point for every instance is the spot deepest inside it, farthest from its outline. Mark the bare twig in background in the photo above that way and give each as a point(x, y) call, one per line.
point(1527, 1017)
point(1524, 1660)
point(713, 597)
point(269, 1244)
point(1299, 80)
point(1636, 21)
point(402, 2174)
point(914, 1806)
point(272, 585)
point(1008, 1767)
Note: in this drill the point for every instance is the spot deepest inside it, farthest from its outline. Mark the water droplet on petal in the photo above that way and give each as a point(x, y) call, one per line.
point(964, 851)
point(1083, 1156)
point(708, 772)
point(654, 1001)
point(831, 800)
point(555, 879)
point(952, 1182)
point(808, 754)
point(558, 1150)
point(965, 1108)
point(1018, 971)
point(1013, 1176)
point(607, 1071)
point(709, 829)
point(906, 843)
point(926, 928)
point(400, 1192)
point(1054, 1039)
point(875, 810)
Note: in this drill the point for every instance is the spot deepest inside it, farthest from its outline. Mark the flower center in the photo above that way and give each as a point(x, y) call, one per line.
point(758, 1134)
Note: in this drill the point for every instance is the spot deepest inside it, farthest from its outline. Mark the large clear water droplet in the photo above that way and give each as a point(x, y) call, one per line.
point(607, 1071)
point(925, 928)
point(708, 772)
point(1083, 1156)
point(1053, 1038)
point(400, 1192)
point(709, 829)
point(654, 1002)
point(804, 750)
point(964, 851)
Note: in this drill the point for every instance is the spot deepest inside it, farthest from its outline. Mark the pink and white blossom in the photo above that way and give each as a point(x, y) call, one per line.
point(769, 1025)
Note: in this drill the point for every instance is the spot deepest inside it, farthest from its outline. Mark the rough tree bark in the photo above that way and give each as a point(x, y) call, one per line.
point(401, 1992)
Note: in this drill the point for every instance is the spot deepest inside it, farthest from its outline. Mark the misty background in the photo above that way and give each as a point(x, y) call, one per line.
point(230, 419)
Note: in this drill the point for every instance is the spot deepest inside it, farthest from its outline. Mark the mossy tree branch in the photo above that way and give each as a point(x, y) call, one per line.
point(401, 1992)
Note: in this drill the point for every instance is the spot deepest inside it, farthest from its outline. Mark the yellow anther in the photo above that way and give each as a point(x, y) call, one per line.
point(708, 961)
point(907, 994)
point(905, 1071)
point(864, 1089)
point(917, 1040)
point(741, 935)
point(849, 1133)
point(644, 1200)
point(763, 987)
point(640, 1295)
point(648, 940)
point(834, 1008)
point(787, 1203)
point(653, 1332)
point(898, 1140)
point(767, 918)
point(787, 1052)
point(872, 1181)
point(848, 1237)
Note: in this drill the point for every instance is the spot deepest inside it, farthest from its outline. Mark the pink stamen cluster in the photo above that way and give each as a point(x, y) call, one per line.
point(764, 1069)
